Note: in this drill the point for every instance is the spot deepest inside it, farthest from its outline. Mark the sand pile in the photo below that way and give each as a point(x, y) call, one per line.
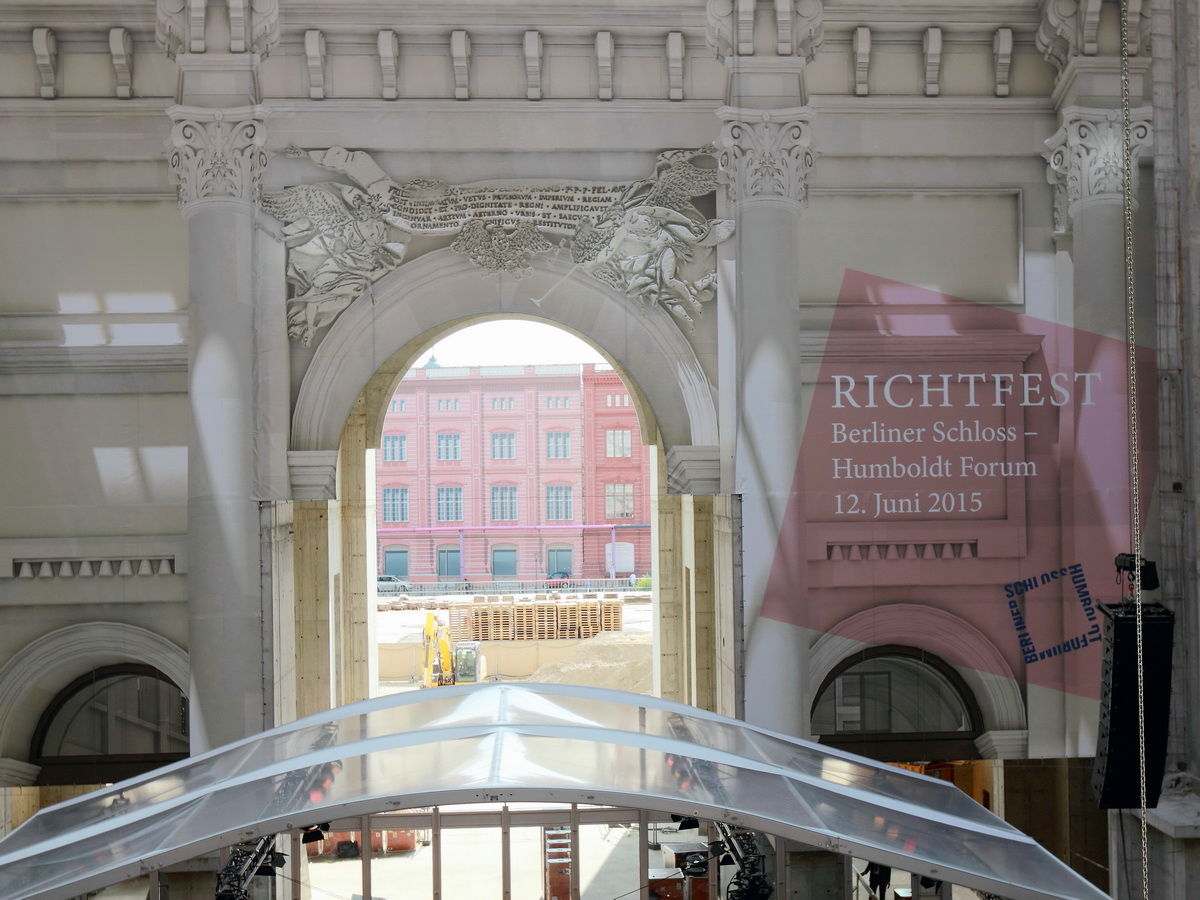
point(618, 660)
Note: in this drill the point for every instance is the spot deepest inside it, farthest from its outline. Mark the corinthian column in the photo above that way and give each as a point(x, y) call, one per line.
point(765, 156)
point(217, 159)
point(1085, 163)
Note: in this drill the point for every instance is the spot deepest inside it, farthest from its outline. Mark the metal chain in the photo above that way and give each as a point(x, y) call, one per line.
point(1134, 494)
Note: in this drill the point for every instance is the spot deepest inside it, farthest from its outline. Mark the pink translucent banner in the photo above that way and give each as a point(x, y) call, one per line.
point(970, 459)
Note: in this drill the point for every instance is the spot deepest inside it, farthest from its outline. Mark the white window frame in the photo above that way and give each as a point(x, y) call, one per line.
point(559, 505)
point(504, 503)
point(449, 445)
point(395, 504)
point(558, 445)
point(618, 442)
point(449, 504)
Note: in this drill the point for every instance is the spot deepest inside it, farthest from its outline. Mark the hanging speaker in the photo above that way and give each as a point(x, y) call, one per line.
point(1115, 781)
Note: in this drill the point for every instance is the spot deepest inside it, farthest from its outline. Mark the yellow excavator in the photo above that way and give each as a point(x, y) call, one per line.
point(444, 663)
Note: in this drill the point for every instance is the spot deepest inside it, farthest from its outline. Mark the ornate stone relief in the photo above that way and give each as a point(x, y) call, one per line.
point(799, 27)
point(1085, 159)
point(217, 153)
point(646, 239)
point(1070, 28)
point(253, 26)
point(767, 154)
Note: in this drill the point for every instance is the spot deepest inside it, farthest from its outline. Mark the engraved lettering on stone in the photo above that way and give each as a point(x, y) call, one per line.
point(646, 239)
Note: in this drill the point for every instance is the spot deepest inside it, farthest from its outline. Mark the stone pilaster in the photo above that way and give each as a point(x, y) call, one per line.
point(217, 159)
point(766, 157)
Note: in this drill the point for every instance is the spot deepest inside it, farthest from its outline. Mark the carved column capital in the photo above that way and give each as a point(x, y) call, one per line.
point(217, 153)
point(1085, 159)
point(766, 154)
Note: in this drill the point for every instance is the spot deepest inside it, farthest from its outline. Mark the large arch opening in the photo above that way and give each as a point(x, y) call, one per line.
point(512, 498)
point(340, 410)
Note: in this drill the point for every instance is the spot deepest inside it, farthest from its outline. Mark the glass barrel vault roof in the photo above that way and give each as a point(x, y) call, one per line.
point(518, 743)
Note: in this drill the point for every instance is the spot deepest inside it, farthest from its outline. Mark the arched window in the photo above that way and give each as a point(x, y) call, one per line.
point(111, 724)
point(897, 704)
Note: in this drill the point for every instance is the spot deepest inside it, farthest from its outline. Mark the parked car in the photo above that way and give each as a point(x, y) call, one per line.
point(390, 584)
point(559, 580)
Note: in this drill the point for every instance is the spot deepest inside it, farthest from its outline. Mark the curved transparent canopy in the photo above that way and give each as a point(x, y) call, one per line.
point(526, 742)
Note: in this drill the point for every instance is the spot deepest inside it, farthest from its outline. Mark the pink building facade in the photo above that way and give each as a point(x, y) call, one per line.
point(503, 475)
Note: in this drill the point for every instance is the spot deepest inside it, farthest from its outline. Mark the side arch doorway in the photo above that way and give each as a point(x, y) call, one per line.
point(322, 558)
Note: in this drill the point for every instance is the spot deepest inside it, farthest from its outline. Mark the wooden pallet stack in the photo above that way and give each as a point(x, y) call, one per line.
point(611, 615)
point(540, 620)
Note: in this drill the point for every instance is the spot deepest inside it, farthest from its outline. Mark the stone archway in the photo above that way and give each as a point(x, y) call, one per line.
point(976, 659)
point(379, 335)
point(338, 414)
point(45, 666)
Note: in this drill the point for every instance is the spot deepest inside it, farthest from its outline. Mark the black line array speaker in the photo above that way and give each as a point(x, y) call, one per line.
point(1115, 782)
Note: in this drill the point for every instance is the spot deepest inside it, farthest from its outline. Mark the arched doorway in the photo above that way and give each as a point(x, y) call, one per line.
point(897, 704)
point(111, 724)
point(340, 406)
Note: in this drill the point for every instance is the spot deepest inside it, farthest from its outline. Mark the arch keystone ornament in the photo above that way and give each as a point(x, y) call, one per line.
point(647, 238)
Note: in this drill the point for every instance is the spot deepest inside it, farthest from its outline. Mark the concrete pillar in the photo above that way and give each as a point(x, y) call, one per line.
point(698, 545)
point(765, 156)
point(356, 629)
point(217, 159)
point(671, 666)
point(314, 586)
point(812, 873)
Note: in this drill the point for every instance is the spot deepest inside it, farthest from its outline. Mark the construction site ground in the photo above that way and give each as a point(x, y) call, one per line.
point(620, 660)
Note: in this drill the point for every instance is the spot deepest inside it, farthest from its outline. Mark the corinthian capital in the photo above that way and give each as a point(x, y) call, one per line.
point(766, 154)
point(217, 153)
point(1085, 159)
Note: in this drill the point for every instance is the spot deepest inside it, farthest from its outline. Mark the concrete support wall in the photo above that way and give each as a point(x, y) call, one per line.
point(355, 626)
point(314, 591)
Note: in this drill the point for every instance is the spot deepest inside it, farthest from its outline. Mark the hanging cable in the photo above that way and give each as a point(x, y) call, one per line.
point(1134, 494)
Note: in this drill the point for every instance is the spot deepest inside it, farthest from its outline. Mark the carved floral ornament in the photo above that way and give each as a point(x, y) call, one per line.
point(1071, 28)
point(646, 239)
point(217, 153)
point(767, 154)
point(799, 27)
point(1085, 159)
point(180, 26)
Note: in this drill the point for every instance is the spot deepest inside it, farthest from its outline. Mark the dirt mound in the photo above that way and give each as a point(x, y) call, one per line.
point(617, 660)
